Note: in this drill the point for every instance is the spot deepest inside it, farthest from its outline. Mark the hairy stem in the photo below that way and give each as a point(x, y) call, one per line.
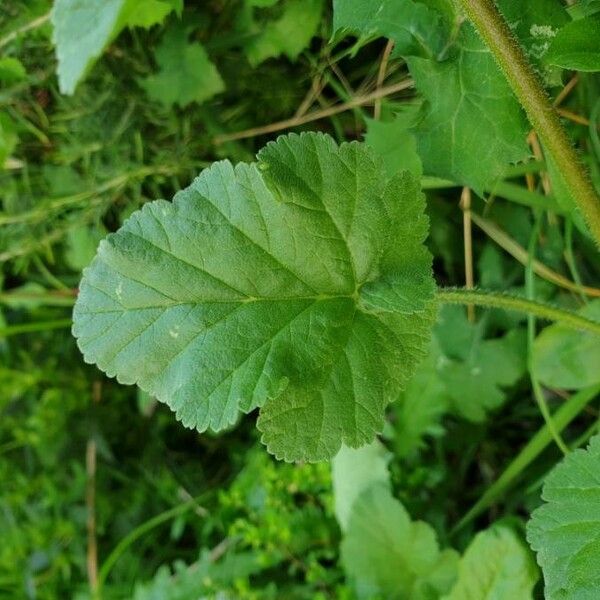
point(565, 317)
point(530, 92)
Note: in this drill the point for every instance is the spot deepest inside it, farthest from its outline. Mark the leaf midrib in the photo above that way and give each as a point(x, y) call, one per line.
point(246, 300)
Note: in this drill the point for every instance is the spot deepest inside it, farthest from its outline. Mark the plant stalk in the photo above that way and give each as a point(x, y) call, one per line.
point(565, 317)
point(528, 88)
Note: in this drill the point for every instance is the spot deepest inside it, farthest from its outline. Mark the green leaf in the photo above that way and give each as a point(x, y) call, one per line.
point(83, 29)
point(185, 74)
point(148, 13)
point(576, 46)
point(289, 34)
point(354, 470)
point(535, 23)
point(584, 8)
point(567, 359)
point(395, 144)
point(421, 405)
point(11, 69)
point(472, 129)
point(565, 531)
point(200, 579)
point(497, 565)
point(299, 284)
point(81, 244)
point(476, 370)
point(387, 555)
point(415, 28)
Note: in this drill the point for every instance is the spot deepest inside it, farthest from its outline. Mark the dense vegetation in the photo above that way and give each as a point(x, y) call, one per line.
point(376, 316)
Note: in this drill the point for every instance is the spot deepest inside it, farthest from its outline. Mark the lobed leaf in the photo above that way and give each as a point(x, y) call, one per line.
point(288, 34)
point(298, 284)
point(185, 73)
point(474, 370)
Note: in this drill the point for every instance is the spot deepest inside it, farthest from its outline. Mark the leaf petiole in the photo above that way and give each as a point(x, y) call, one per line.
point(505, 301)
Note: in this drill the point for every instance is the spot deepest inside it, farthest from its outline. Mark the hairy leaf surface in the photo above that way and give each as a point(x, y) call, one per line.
point(298, 284)
point(474, 127)
point(565, 531)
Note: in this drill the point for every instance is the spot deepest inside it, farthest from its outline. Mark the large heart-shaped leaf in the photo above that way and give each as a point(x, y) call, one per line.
point(298, 284)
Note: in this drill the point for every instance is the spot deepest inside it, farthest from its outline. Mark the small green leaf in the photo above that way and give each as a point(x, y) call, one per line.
point(475, 370)
point(11, 69)
point(386, 555)
point(148, 13)
point(422, 404)
point(288, 34)
point(81, 245)
point(576, 46)
point(565, 531)
point(395, 144)
point(497, 565)
point(567, 359)
point(299, 284)
point(185, 74)
point(200, 579)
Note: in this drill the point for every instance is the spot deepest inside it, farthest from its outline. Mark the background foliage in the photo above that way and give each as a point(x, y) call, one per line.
point(131, 112)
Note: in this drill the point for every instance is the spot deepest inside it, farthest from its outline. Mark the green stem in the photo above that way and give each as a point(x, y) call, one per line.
point(538, 393)
point(33, 327)
point(565, 317)
point(528, 88)
point(46, 298)
point(138, 532)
